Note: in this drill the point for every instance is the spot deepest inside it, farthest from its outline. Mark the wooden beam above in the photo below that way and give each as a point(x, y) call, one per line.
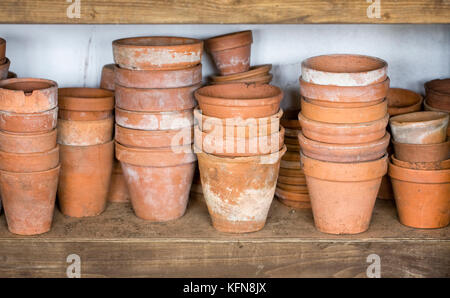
point(224, 11)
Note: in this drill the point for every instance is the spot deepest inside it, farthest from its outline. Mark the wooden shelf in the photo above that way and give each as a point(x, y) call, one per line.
point(118, 244)
point(224, 12)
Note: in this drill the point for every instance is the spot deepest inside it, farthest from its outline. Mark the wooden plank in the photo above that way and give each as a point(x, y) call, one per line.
point(224, 11)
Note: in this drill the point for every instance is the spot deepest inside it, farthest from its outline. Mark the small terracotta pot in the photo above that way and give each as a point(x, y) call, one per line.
point(239, 100)
point(344, 70)
point(292, 180)
point(84, 116)
point(292, 141)
point(27, 95)
point(78, 196)
point(422, 153)
point(27, 143)
point(159, 79)
point(264, 79)
point(346, 105)
point(85, 133)
point(28, 122)
point(231, 52)
point(385, 192)
point(29, 200)
point(4, 68)
point(343, 194)
point(118, 190)
point(2, 50)
point(293, 148)
point(295, 204)
point(343, 152)
point(332, 133)
point(438, 94)
point(402, 101)
point(239, 191)
point(290, 164)
point(157, 52)
point(291, 124)
point(291, 172)
point(85, 100)
point(438, 165)
point(154, 120)
point(107, 78)
point(255, 71)
point(291, 156)
point(287, 195)
point(297, 189)
point(420, 127)
point(155, 100)
point(29, 162)
point(422, 197)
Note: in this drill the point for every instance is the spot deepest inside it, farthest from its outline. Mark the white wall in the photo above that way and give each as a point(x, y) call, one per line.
point(73, 55)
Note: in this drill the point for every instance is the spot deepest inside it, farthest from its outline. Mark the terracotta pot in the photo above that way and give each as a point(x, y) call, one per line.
point(420, 127)
point(438, 94)
point(155, 100)
point(28, 122)
point(29, 200)
point(290, 164)
point(239, 191)
point(385, 192)
point(154, 138)
point(343, 152)
point(266, 79)
point(160, 79)
point(422, 197)
point(402, 101)
point(438, 165)
point(346, 105)
point(27, 143)
point(343, 194)
point(85, 104)
point(295, 204)
point(293, 148)
point(84, 116)
point(292, 156)
point(107, 78)
point(287, 195)
point(422, 153)
point(118, 190)
point(231, 52)
point(157, 52)
point(292, 141)
point(4, 68)
point(428, 108)
point(29, 162)
point(26, 95)
point(78, 196)
point(2, 50)
point(292, 133)
point(345, 94)
point(332, 133)
point(297, 189)
point(255, 71)
point(293, 124)
point(291, 172)
point(154, 120)
point(239, 100)
point(292, 180)
point(85, 133)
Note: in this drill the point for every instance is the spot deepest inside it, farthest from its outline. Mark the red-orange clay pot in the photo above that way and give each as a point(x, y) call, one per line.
point(264, 79)
point(402, 101)
point(422, 153)
point(231, 52)
point(438, 94)
point(85, 179)
point(239, 191)
point(154, 120)
point(295, 204)
point(385, 192)
point(28, 142)
point(157, 52)
point(118, 190)
point(343, 194)
point(29, 162)
point(422, 197)
point(29, 200)
point(439, 165)
point(254, 71)
point(2, 50)
point(28, 122)
point(107, 79)
point(4, 68)
point(85, 133)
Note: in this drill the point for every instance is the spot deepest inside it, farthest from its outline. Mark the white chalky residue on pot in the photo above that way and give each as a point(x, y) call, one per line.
point(342, 79)
point(234, 61)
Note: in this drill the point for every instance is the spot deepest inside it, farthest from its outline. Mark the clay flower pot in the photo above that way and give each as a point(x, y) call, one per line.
point(239, 100)
point(155, 100)
point(158, 79)
point(85, 133)
point(253, 72)
point(2, 50)
point(29, 200)
point(118, 190)
point(29, 122)
point(290, 164)
point(27, 95)
point(344, 70)
point(428, 108)
point(29, 162)
point(291, 124)
point(422, 153)
point(385, 192)
point(231, 52)
point(157, 52)
point(296, 188)
point(295, 204)
point(438, 94)
point(4, 69)
point(343, 194)
point(438, 165)
point(265, 79)
point(291, 172)
point(420, 127)
point(343, 152)
point(402, 101)
point(292, 180)
point(27, 143)
point(239, 191)
point(354, 133)
point(85, 178)
point(422, 197)
point(107, 78)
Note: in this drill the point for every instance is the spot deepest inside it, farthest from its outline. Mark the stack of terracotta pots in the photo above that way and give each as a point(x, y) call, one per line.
point(343, 138)
point(29, 155)
point(420, 169)
point(155, 80)
point(438, 97)
point(4, 62)
point(239, 143)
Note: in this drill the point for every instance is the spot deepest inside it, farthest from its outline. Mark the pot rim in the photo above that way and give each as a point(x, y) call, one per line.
point(271, 158)
point(123, 42)
point(381, 63)
point(430, 108)
point(254, 71)
point(86, 147)
point(155, 113)
point(53, 110)
point(85, 99)
point(52, 85)
point(399, 120)
point(86, 122)
point(366, 146)
point(26, 134)
point(199, 84)
point(237, 121)
point(32, 173)
point(419, 176)
point(399, 163)
point(428, 86)
point(446, 143)
point(237, 39)
point(344, 126)
point(32, 154)
point(418, 98)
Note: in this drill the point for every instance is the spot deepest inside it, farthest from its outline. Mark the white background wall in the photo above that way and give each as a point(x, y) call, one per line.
point(73, 55)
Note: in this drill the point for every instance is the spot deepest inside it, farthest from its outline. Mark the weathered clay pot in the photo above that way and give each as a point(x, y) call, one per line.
point(2, 50)
point(85, 178)
point(290, 164)
point(160, 79)
point(4, 68)
point(343, 194)
point(385, 192)
point(420, 127)
point(85, 133)
point(438, 94)
point(291, 124)
point(438, 165)
point(29, 122)
point(297, 189)
point(28, 142)
point(291, 172)
point(155, 100)
point(239, 100)
point(344, 70)
point(157, 52)
point(346, 105)
point(118, 190)
point(29, 200)
point(231, 52)
point(291, 156)
point(29, 162)
point(332, 133)
point(422, 153)
point(154, 120)
point(265, 79)
point(402, 101)
point(344, 152)
point(27, 95)
point(295, 204)
point(292, 196)
point(292, 180)
point(107, 79)
point(422, 197)
point(428, 108)
point(253, 72)
point(239, 191)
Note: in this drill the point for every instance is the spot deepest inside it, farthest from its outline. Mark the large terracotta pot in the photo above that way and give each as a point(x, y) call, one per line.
point(239, 191)
point(28, 122)
point(343, 194)
point(28, 142)
point(85, 133)
point(29, 162)
point(402, 101)
point(157, 52)
point(253, 72)
point(422, 153)
point(438, 94)
point(118, 190)
point(107, 78)
point(4, 69)
point(422, 196)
